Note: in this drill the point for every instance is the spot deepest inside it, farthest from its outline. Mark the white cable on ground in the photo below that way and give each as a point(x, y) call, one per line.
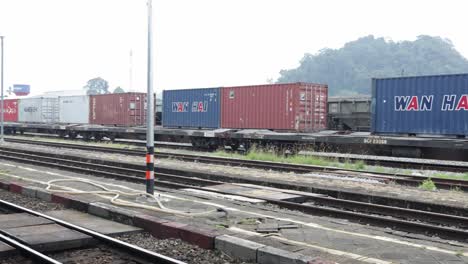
point(116, 194)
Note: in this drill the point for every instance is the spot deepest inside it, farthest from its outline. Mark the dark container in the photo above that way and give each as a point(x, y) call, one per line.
point(191, 108)
point(298, 107)
point(432, 105)
point(10, 110)
point(123, 109)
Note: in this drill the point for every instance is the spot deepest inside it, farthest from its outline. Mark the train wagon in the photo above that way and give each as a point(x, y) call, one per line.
point(421, 105)
point(349, 113)
point(296, 107)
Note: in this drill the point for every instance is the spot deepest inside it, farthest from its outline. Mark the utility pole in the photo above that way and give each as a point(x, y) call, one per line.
point(1, 101)
point(150, 110)
point(130, 72)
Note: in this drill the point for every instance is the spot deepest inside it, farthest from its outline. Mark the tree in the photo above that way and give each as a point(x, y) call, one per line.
point(349, 70)
point(119, 89)
point(96, 86)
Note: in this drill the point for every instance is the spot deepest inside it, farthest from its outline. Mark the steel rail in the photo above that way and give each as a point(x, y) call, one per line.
point(365, 212)
point(36, 255)
point(412, 180)
point(87, 165)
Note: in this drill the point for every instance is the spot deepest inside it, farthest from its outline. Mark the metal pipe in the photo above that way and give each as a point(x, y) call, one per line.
point(1, 100)
point(150, 110)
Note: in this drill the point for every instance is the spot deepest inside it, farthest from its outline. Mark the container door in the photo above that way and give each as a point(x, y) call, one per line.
point(306, 108)
point(49, 112)
point(137, 109)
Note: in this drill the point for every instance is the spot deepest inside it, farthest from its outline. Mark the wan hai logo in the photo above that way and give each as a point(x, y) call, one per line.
point(449, 102)
point(183, 107)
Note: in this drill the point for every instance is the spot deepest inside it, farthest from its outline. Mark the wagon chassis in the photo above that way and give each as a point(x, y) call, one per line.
point(359, 142)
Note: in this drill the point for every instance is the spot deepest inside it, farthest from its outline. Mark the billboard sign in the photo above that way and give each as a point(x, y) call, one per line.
point(21, 89)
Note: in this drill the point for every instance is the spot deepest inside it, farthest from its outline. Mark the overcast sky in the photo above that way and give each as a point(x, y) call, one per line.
point(60, 44)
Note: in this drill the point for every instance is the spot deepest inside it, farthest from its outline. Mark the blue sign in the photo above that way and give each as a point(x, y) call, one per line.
point(21, 89)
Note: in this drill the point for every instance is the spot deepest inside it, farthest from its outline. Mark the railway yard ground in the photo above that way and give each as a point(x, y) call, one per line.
point(213, 213)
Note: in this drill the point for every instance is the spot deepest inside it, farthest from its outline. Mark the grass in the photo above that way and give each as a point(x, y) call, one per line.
point(295, 159)
point(428, 185)
point(256, 154)
point(463, 176)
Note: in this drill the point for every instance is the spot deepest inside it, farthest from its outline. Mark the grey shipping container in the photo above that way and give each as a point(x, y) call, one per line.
point(74, 109)
point(421, 105)
point(192, 108)
point(38, 110)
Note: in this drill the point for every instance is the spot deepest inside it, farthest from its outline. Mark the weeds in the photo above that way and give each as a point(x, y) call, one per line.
point(428, 185)
point(463, 176)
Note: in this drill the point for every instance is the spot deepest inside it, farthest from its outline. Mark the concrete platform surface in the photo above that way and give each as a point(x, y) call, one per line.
point(94, 223)
point(6, 250)
point(257, 191)
point(21, 220)
point(50, 237)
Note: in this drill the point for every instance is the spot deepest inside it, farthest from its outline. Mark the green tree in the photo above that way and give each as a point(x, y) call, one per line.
point(119, 89)
point(97, 86)
point(349, 70)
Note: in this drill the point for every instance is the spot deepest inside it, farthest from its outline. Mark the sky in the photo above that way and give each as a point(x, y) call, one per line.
point(60, 44)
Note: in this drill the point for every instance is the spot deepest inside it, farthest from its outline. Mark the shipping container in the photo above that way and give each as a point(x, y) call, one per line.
point(436, 105)
point(38, 110)
point(124, 109)
point(74, 109)
point(299, 107)
point(10, 110)
point(191, 108)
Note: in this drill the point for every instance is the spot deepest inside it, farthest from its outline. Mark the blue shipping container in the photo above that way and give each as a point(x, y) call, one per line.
point(192, 108)
point(421, 105)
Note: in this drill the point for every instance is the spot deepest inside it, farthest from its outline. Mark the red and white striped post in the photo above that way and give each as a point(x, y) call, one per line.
point(150, 111)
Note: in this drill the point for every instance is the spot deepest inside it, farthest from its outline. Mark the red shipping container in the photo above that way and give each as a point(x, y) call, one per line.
point(299, 107)
point(124, 109)
point(10, 110)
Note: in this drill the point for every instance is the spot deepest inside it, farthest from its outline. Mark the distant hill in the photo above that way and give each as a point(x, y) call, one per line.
point(348, 70)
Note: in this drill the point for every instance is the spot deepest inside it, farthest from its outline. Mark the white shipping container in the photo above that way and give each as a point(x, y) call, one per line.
point(38, 110)
point(74, 109)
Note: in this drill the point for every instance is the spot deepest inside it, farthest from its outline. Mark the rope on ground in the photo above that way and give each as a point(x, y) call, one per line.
point(116, 194)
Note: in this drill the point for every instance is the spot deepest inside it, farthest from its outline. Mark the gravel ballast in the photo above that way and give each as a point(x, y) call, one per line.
point(103, 254)
point(446, 197)
point(29, 202)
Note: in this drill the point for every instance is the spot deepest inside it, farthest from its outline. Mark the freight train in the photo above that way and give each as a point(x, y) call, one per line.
point(423, 116)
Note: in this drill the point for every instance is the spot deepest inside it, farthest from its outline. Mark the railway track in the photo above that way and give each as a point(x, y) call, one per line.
point(368, 160)
point(410, 180)
point(446, 222)
point(139, 255)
